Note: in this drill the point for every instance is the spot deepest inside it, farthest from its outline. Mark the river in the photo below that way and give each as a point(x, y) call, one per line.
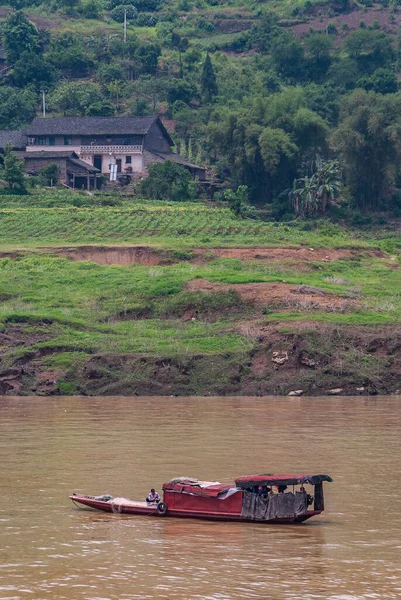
point(50, 447)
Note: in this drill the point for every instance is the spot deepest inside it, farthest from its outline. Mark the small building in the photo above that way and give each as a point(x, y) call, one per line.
point(74, 172)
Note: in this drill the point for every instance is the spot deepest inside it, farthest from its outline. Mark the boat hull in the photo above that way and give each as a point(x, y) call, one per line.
point(142, 508)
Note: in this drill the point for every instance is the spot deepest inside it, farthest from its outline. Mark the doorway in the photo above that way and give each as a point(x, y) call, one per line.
point(97, 161)
point(118, 163)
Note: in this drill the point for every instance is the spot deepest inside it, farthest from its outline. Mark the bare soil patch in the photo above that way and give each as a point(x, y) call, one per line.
point(352, 19)
point(115, 255)
point(289, 254)
point(273, 294)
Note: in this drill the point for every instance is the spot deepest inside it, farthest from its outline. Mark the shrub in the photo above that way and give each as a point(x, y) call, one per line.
point(146, 20)
point(168, 181)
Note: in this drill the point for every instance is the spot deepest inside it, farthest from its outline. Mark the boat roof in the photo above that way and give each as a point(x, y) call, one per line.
point(278, 479)
point(189, 485)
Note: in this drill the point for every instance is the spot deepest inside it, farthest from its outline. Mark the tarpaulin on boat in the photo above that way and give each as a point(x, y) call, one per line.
point(275, 506)
point(270, 479)
point(198, 488)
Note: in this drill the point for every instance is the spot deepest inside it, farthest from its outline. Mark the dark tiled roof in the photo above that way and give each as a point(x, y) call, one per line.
point(48, 154)
point(177, 159)
point(17, 138)
point(90, 125)
point(83, 165)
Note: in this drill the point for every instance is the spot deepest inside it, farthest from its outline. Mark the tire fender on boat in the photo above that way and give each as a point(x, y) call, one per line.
point(162, 508)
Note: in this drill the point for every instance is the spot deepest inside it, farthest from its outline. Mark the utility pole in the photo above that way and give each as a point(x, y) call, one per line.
point(125, 25)
point(44, 102)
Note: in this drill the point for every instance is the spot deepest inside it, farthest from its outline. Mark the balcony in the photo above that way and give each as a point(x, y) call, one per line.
point(111, 149)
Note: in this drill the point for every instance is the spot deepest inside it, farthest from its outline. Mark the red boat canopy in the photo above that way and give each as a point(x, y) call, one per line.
point(196, 488)
point(269, 479)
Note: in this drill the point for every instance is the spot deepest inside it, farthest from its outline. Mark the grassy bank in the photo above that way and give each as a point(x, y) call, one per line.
point(148, 297)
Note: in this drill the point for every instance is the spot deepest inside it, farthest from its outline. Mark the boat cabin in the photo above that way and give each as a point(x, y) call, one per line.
point(274, 498)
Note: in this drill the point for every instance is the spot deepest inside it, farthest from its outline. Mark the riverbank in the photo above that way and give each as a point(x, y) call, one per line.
point(209, 305)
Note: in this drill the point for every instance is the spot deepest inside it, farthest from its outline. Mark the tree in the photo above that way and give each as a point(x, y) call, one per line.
point(147, 56)
point(181, 44)
point(369, 141)
point(274, 144)
point(19, 36)
point(287, 55)
point(181, 90)
point(314, 193)
point(318, 47)
point(208, 80)
point(328, 183)
point(154, 88)
point(68, 54)
point(76, 98)
point(13, 172)
point(370, 49)
point(48, 175)
point(117, 14)
point(383, 81)
point(168, 181)
point(32, 69)
point(17, 107)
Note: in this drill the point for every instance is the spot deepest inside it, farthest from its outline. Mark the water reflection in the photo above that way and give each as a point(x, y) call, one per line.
point(50, 447)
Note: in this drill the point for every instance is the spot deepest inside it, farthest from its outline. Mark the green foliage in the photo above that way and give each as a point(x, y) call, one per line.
point(314, 193)
point(48, 175)
point(371, 50)
point(13, 172)
point(275, 144)
point(32, 70)
point(19, 35)
point(76, 98)
point(369, 140)
point(168, 181)
point(181, 91)
point(117, 14)
point(17, 107)
point(208, 80)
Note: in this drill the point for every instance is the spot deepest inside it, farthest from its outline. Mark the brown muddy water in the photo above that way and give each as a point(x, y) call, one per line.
point(50, 447)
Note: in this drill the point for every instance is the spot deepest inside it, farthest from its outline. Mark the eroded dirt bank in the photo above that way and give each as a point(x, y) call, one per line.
point(292, 344)
point(307, 358)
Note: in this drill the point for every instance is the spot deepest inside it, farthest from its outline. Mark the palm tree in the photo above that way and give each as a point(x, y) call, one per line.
point(328, 182)
point(310, 194)
point(303, 196)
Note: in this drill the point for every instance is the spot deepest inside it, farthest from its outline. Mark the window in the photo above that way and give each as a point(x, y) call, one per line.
point(31, 141)
point(67, 141)
point(128, 160)
point(42, 140)
point(127, 142)
point(52, 141)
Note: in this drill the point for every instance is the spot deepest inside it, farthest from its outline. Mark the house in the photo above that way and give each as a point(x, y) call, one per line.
point(126, 145)
point(84, 148)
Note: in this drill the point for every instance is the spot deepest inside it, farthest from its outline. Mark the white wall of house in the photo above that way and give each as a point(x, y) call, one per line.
point(136, 163)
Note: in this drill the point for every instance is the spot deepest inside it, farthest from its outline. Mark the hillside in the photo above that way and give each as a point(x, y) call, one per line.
point(162, 298)
point(258, 92)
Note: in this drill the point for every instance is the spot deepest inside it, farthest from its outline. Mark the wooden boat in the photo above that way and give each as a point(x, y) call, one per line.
point(258, 498)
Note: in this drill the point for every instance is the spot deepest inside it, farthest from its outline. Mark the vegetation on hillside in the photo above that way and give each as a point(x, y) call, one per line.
point(259, 92)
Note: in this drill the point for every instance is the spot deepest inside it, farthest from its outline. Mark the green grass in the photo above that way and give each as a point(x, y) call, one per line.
point(52, 218)
point(61, 312)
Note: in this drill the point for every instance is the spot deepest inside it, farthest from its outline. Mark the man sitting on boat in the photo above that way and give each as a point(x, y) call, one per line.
point(153, 497)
